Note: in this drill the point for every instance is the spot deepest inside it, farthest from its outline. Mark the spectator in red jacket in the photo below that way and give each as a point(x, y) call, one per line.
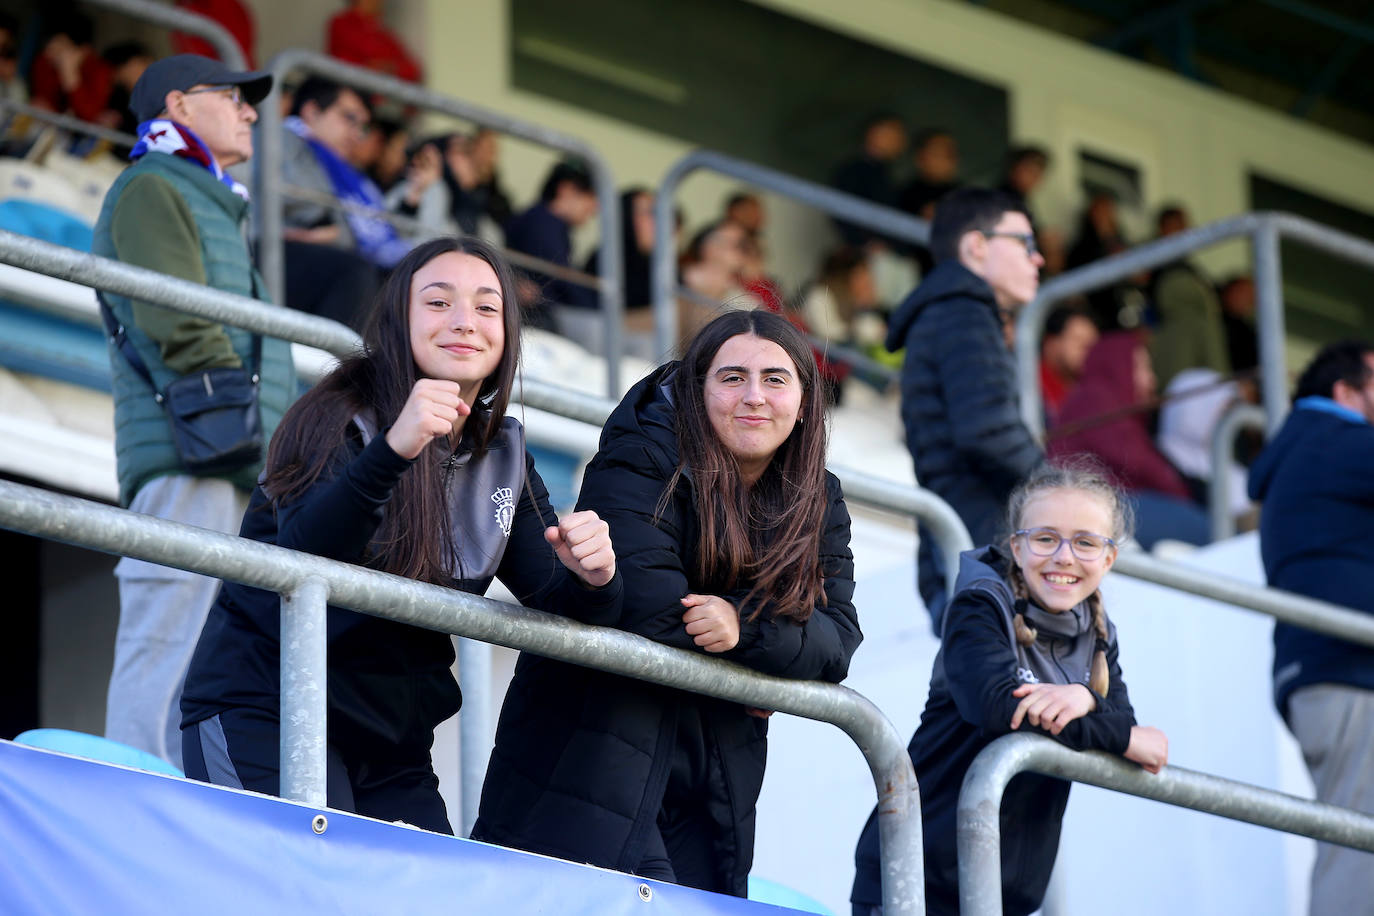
point(68, 77)
point(358, 36)
point(1107, 416)
point(232, 14)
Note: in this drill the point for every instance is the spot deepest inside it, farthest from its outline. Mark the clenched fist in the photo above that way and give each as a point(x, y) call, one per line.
point(712, 622)
point(431, 411)
point(583, 544)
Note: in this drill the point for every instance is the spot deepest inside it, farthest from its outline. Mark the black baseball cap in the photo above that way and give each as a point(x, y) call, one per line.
point(182, 71)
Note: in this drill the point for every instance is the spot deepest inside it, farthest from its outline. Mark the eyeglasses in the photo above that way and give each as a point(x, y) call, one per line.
point(354, 119)
point(1025, 238)
point(1044, 542)
point(233, 93)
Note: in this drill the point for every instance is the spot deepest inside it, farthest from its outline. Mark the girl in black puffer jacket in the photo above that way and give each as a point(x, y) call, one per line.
point(732, 539)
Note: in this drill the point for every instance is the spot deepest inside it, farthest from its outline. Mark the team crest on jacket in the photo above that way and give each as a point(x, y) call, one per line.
point(504, 497)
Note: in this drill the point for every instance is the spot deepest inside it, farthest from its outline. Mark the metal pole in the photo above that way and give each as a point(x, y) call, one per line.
point(268, 167)
point(1238, 417)
point(183, 295)
point(949, 530)
point(304, 707)
point(852, 209)
point(1298, 610)
point(980, 800)
point(182, 21)
point(99, 527)
point(1269, 322)
point(474, 725)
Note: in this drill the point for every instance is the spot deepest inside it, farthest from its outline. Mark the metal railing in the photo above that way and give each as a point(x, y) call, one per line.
point(978, 833)
point(1237, 418)
point(853, 209)
point(309, 583)
point(267, 167)
point(182, 21)
point(1264, 231)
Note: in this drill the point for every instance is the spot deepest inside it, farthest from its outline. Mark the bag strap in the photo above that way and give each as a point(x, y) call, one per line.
point(119, 339)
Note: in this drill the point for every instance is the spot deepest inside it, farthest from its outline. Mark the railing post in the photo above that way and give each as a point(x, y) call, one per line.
point(304, 707)
point(1269, 323)
point(1238, 417)
point(182, 21)
point(474, 725)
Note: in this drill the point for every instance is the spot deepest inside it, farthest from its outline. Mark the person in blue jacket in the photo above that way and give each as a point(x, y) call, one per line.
point(1315, 479)
point(1027, 646)
point(401, 459)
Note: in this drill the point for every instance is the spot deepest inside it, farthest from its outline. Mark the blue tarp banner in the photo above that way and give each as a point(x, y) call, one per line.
point(78, 836)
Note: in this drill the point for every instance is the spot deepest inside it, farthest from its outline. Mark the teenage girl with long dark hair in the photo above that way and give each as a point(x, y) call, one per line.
point(733, 540)
point(401, 459)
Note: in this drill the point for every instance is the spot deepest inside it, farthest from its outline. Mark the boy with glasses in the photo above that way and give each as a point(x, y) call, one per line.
point(960, 404)
point(177, 211)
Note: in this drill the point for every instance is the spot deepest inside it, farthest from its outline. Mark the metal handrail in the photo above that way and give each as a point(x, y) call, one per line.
point(853, 209)
point(308, 583)
point(68, 122)
point(182, 21)
point(1237, 417)
point(1264, 230)
point(978, 833)
point(253, 315)
point(267, 167)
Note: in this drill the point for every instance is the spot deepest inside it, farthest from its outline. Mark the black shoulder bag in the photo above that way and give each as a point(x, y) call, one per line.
point(213, 413)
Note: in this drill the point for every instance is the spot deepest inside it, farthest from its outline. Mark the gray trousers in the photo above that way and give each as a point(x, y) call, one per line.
point(1334, 723)
point(161, 613)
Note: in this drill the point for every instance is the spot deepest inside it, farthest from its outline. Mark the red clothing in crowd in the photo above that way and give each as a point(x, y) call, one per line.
point(363, 40)
point(229, 13)
point(89, 98)
point(1124, 444)
point(1054, 389)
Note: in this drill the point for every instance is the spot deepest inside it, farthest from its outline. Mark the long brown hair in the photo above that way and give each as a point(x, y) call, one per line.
point(766, 536)
point(1088, 476)
point(414, 538)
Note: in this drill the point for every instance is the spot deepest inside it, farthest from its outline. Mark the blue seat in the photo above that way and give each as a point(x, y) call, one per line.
point(761, 890)
point(39, 220)
point(94, 747)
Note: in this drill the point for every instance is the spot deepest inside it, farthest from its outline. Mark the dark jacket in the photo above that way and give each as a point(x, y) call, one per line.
point(971, 704)
point(1124, 445)
point(583, 758)
point(539, 233)
point(1317, 537)
point(960, 403)
point(388, 682)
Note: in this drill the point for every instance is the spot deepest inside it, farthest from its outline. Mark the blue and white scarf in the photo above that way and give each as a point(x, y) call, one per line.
point(376, 238)
point(160, 135)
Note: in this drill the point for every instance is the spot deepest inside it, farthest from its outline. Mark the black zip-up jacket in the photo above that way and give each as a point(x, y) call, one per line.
point(388, 683)
point(971, 704)
point(960, 404)
point(582, 758)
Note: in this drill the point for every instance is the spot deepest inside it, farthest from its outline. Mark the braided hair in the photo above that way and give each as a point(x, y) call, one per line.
point(1086, 476)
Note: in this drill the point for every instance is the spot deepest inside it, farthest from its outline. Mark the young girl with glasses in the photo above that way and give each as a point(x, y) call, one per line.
point(1026, 646)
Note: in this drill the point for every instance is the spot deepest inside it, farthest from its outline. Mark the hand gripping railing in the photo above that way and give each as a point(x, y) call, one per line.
point(268, 166)
point(980, 801)
point(853, 209)
point(1263, 230)
point(1238, 417)
point(182, 21)
point(308, 583)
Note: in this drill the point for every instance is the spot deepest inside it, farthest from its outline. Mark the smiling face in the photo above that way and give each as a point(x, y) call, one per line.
point(1059, 582)
point(753, 396)
point(457, 324)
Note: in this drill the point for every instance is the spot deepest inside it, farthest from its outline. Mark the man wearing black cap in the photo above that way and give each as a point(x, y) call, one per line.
point(176, 211)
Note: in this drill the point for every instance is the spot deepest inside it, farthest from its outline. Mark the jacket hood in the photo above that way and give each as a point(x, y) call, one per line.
point(980, 564)
point(1110, 369)
point(949, 280)
point(647, 413)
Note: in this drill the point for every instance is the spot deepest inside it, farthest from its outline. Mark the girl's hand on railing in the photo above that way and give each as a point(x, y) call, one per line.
point(431, 410)
point(712, 622)
point(583, 544)
point(1051, 706)
point(1149, 748)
